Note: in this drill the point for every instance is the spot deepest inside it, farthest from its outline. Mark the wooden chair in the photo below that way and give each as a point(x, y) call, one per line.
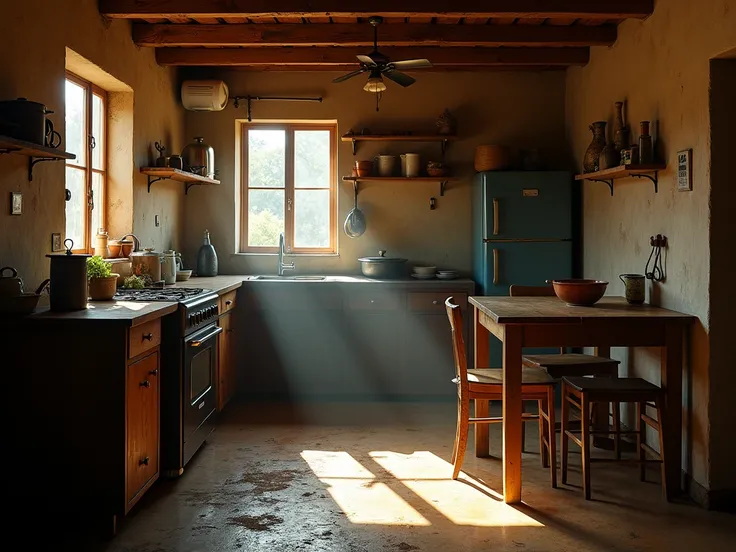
point(570, 364)
point(582, 392)
point(487, 384)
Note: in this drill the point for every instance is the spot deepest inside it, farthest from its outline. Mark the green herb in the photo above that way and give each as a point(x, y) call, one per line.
point(134, 282)
point(98, 268)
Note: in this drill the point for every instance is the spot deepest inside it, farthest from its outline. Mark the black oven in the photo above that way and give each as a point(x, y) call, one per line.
point(200, 394)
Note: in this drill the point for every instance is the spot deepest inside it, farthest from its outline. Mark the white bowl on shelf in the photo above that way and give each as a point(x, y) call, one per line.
point(425, 270)
point(423, 276)
point(446, 276)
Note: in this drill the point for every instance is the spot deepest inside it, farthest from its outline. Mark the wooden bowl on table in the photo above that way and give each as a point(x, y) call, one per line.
point(579, 292)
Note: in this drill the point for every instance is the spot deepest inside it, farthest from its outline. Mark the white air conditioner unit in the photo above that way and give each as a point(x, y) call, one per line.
point(204, 95)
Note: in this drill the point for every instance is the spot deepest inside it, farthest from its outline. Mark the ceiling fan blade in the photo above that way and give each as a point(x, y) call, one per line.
point(400, 78)
point(350, 75)
point(366, 60)
point(408, 64)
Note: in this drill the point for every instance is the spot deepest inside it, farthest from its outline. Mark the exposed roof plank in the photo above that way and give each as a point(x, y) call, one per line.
point(584, 9)
point(346, 34)
point(457, 57)
point(438, 69)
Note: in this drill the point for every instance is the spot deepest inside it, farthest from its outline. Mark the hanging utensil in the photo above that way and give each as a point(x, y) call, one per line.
point(355, 221)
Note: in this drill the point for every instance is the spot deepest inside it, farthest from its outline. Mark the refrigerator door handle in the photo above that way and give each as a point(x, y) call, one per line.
point(495, 216)
point(495, 267)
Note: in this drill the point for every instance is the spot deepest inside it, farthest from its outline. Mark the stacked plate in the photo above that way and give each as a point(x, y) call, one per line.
point(424, 272)
point(446, 274)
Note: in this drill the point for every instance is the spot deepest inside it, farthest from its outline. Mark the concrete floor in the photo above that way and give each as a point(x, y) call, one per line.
point(375, 477)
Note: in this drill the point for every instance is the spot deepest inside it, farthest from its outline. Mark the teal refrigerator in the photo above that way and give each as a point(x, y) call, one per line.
point(522, 232)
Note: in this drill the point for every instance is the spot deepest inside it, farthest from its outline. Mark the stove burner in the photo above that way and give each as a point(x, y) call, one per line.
point(171, 294)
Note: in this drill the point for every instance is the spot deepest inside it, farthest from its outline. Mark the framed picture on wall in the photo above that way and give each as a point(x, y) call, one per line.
point(685, 170)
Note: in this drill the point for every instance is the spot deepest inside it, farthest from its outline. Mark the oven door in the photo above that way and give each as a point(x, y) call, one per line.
point(200, 393)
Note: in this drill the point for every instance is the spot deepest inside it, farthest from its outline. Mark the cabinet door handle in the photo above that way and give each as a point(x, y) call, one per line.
point(228, 303)
point(229, 331)
point(145, 383)
point(154, 372)
point(148, 336)
point(495, 266)
point(144, 462)
point(495, 216)
point(372, 301)
point(435, 302)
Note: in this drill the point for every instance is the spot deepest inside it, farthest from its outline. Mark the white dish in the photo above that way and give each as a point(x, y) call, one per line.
point(447, 276)
point(425, 270)
point(423, 276)
point(183, 275)
point(447, 272)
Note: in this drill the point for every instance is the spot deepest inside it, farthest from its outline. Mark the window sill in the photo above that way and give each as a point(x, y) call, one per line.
point(288, 255)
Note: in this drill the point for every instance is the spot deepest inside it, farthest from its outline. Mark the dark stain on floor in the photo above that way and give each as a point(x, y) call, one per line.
point(256, 523)
point(267, 482)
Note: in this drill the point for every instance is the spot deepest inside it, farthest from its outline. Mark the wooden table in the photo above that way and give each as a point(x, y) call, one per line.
point(548, 322)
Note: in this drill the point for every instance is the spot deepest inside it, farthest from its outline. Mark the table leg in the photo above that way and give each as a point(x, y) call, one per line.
point(480, 360)
point(601, 411)
point(672, 424)
point(512, 408)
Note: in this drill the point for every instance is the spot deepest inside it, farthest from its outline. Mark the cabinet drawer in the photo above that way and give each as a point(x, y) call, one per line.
point(227, 301)
point(144, 337)
point(379, 300)
point(292, 297)
point(434, 301)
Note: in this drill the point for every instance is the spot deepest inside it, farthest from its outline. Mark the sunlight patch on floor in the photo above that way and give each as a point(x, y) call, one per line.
point(355, 490)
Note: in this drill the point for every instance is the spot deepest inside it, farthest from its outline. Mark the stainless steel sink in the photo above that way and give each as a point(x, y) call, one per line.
point(279, 278)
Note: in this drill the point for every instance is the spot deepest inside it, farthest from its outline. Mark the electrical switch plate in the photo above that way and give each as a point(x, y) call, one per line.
point(56, 241)
point(16, 203)
point(156, 221)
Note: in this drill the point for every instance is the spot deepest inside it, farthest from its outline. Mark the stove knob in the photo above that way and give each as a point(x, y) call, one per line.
point(190, 319)
point(213, 311)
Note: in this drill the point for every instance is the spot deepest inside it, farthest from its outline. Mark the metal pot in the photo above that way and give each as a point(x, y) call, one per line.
point(24, 120)
point(10, 286)
point(147, 262)
point(382, 267)
point(199, 158)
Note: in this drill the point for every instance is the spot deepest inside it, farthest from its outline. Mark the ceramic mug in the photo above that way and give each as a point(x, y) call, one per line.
point(634, 284)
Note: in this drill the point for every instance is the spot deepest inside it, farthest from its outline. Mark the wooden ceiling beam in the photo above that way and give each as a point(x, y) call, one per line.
point(583, 9)
point(457, 57)
point(438, 69)
point(360, 35)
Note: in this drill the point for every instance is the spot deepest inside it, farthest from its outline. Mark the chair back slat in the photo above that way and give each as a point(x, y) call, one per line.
point(458, 346)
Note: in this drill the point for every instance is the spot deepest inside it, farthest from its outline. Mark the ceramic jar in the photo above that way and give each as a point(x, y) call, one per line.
point(634, 285)
point(593, 153)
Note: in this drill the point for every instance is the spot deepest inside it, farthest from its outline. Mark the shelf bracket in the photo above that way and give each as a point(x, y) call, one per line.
point(654, 179)
point(189, 185)
point(32, 161)
point(355, 149)
point(443, 187)
point(443, 147)
point(608, 182)
point(152, 181)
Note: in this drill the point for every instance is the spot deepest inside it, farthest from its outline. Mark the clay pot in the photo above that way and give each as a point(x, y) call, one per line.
point(609, 158)
point(593, 153)
point(363, 168)
point(579, 292)
point(103, 289)
point(492, 158)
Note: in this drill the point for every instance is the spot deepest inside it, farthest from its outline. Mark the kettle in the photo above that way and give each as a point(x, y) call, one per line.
point(10, 286)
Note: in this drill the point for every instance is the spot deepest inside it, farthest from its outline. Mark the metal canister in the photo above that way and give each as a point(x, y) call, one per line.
point(199, 158)
point(68, 287)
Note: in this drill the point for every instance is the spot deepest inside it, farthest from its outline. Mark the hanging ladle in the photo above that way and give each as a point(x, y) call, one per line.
point(355, 221)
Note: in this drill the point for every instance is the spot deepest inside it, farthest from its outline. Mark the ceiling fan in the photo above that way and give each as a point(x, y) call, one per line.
point(379, 65)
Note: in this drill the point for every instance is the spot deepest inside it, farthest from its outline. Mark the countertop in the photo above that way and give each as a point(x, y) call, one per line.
point(132, 313)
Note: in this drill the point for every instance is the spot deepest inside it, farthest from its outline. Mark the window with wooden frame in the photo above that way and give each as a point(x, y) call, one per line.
point(86, 137)
point(289, 185)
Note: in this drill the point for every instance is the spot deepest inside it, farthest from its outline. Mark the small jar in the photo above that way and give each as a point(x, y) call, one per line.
point(101, 244)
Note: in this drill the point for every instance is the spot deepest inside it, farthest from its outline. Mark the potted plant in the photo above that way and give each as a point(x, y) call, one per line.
point(102, 280)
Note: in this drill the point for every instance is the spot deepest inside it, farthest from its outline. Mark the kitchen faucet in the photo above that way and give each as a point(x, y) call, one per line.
point(282, 265)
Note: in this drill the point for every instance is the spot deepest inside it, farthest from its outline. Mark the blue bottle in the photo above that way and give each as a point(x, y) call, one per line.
point(207, 258)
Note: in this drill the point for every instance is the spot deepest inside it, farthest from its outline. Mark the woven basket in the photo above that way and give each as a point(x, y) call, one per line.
point(492, 158)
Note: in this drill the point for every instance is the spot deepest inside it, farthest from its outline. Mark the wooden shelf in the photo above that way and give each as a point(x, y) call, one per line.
point(354, 138)
point(36, 153)
point(607, 176)
point(190, 179)
point(443, 180)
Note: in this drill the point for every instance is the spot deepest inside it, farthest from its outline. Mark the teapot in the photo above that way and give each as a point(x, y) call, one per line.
point(10, 286)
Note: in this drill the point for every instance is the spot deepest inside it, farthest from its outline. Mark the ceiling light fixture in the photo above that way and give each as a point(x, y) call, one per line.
point(376, 86)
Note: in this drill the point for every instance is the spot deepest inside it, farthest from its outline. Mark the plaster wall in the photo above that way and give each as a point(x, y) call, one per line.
point(35, 34)
point(525, 110)
point(660, 67)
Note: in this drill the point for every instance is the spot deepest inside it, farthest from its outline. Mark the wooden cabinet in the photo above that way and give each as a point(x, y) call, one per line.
point(226, 360)
point(142, 420)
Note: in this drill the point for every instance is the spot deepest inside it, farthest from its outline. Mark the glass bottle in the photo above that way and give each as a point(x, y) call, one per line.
point(646, 147)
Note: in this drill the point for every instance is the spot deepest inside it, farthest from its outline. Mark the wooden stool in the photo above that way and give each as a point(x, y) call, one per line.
point(582, 392)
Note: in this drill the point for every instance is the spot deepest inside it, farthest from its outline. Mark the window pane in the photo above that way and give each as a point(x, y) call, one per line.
point(312, 159)
point(312, 218)
point(266, 159)
point(98, 131)
point(76, 207)
point(97, 191)
point(265, 217)
point(75, 122)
